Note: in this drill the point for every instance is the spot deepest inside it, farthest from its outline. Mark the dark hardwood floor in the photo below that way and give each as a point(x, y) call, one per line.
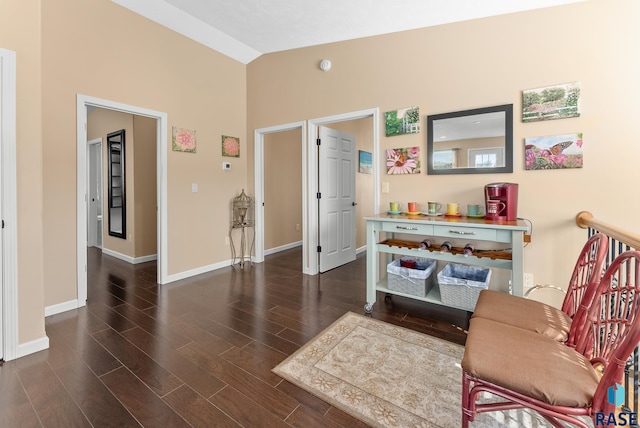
point(197, 352)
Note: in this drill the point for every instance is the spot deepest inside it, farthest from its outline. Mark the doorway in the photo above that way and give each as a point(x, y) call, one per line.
point(84, 102)
point(309, 180)
point(94, 183)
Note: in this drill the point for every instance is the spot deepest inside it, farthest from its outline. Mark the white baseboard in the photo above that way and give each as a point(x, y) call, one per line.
point(282, 248)
point(197, 271)
point(61, 307)
point(361, 249)
point(32, 347)
point(129, 259)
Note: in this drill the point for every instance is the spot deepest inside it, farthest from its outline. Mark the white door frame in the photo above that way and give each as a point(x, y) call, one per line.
point(82, 102)
point(258, 144)
point(8, 206)
point(95, 141)
point(312, 165)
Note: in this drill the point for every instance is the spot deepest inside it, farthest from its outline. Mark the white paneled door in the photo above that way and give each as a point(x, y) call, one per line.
point(336, 198)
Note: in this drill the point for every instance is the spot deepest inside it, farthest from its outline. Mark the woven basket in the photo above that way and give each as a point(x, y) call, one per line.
point(460, 285)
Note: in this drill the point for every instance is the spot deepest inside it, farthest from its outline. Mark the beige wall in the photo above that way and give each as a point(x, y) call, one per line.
point(20, 31)
point(144, 171)
point(482, 63)
point(282, 188)
point(102, 50)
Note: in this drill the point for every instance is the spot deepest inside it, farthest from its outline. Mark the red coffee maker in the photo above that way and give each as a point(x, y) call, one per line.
point(506, 207)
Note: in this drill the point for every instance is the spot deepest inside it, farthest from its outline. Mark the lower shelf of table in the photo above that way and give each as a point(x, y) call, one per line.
point(433, 296)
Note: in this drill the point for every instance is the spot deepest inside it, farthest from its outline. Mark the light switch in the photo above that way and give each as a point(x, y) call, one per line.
point(194, 187)
point(385, 187)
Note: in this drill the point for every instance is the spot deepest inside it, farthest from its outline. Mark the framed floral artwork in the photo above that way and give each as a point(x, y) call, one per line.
point(183, 140)
point(230, 146)
point(553, 152)
point(551, 102)
point(403, 161)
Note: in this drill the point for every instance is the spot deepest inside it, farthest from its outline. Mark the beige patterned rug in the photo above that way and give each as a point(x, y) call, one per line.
point(389, 376)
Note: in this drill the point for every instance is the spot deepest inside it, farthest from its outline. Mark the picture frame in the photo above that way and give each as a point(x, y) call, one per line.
point(365, 165)
point(230, 146)
point(551, 102)
point(553, 152)
point(402, 121)
point(403, 161)
point(183, 140)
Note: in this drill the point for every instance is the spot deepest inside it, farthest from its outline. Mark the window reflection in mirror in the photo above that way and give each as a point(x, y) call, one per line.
point(477, 141)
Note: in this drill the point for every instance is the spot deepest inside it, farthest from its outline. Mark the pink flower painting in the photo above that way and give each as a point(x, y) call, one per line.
point(553, 152)
point(230, 146)
point(184, 140)
point(403, 161)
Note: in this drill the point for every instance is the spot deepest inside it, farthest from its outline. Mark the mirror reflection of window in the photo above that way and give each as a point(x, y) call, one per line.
point(444, 159)
point(486, 158)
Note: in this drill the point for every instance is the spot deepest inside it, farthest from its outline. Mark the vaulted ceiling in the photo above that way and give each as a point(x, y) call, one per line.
point(246, 29)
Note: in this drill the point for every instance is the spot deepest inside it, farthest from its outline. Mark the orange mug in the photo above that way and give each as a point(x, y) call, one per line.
point(494, 208)
point(412, 207)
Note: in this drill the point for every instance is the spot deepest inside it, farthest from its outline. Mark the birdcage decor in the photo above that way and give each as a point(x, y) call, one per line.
point(242, 219)
point(242, 207)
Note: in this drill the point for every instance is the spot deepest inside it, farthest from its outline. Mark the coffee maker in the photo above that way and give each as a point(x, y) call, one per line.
point(506, 195)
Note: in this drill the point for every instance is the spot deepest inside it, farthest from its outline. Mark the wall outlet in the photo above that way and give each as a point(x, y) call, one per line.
point(297, 227)
point(528, 281)
point(385, 187)
point(226, 241)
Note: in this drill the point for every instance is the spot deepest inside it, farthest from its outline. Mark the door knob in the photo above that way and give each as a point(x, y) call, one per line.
point(354, 203)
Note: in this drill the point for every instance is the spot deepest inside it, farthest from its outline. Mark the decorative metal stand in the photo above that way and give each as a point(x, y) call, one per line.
point(242, 211)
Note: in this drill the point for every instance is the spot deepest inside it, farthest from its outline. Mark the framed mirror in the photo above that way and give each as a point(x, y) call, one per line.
point(116, 185)
point(477, 141)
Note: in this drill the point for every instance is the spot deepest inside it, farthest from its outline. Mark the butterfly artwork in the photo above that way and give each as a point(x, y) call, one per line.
point(553, 152)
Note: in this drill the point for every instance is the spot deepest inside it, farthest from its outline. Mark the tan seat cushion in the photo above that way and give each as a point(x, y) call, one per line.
point(523, 313)
point(528, 363)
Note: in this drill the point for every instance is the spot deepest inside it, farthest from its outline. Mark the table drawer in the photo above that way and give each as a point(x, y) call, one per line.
point(397, 227)
point(452, 231)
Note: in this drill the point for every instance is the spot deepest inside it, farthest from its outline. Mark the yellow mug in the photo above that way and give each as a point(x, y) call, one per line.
point(452, 209)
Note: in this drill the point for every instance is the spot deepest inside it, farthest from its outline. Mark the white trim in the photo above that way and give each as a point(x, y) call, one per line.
point(198, 271)
point(32, 347)
point(61, 307)
point(361, 249)
point(129, 259)
point(181, 22)
point(312, 164)
point(9, 286)
point(258, 143)
point(82, 101)
point(285, 247)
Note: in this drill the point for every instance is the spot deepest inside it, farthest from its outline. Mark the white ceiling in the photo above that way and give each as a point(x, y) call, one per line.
point(246, 29)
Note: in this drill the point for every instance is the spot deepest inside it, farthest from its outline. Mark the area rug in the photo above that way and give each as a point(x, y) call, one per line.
point(389, 376)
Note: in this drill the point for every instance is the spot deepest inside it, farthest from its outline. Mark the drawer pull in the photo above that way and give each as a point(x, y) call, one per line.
point(406, 228)
point(461, 232)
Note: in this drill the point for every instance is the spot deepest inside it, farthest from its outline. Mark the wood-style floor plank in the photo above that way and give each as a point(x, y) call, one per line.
point(196, 352)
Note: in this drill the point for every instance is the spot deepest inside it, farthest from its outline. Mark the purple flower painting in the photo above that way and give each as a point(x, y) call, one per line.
point(403, 161)
point(553, 152)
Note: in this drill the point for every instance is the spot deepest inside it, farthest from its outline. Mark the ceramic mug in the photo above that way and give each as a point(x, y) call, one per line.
point(452, 209)
point(434, 207)
point(393, 206)
point(473, 209)
point(412, 207)
point(494, 208)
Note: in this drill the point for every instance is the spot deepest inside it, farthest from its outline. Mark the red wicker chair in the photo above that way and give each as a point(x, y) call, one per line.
point(526, 369)
point(544, 319)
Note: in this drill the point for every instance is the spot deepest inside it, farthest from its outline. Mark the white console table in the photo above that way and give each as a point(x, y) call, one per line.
point(442, 228)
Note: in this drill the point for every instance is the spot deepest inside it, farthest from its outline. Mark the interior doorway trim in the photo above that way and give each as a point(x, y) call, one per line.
point(312, 174)
point(82, 102)
point(258, 141)
point(8, 204)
